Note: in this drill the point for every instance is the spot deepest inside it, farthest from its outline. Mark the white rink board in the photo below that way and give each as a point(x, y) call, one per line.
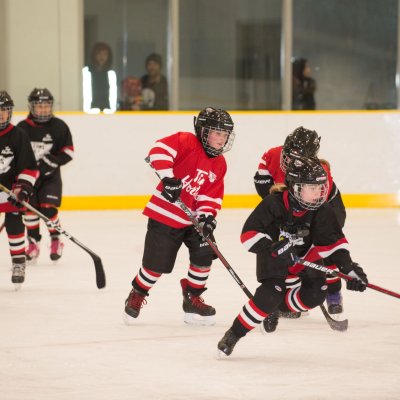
point(362, 147)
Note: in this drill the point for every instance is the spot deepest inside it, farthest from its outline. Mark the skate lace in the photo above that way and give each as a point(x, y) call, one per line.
point(18, 270)
point(32, 248)
point(197, 301)
point(56, 247)
point(136, 301)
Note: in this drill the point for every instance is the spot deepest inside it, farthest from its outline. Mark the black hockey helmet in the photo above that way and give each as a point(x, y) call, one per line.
point(307, 182)
point(212, 119)
point(6, 104)
point(40, 96)
point(302, 142)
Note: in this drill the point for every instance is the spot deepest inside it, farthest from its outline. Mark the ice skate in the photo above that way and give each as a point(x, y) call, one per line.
point(33, 250)
point(133, 304)
point(56, 248)
point(270, 323)
point(335, 303)
point(227, 343)
point(196, 311)
point(18, 274)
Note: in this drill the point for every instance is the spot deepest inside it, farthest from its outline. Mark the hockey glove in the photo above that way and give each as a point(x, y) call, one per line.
point(262, 184)
point(207, 224)
point(48, 165)
point(172, 189)
point(283, 249)
point(21, 192)
point(359, 281)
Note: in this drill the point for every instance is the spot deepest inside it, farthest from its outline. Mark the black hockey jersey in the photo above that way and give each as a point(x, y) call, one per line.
point(274, 217)
point(17, 162)
point(53, 137)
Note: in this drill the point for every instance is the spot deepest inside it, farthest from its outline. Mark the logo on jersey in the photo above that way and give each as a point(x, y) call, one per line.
point(193, 185)
point(212, 177)
point(7, 151)
point(42, 148)
point(5, 164)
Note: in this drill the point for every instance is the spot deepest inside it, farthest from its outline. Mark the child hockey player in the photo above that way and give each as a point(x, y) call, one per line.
point(51, 141)
point(192, 168)
point(272, 232)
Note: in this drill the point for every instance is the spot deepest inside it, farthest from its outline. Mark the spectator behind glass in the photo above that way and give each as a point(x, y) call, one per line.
point(303, 86)
point(133, 97)
point(157, 82)
point(100, 81)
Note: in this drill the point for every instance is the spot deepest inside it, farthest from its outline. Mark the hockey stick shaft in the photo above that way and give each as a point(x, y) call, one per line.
point(100, 275)
point(343, 276)
point(214, 248)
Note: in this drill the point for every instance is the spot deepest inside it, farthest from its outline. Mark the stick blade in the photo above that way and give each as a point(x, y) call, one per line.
point(100, 275)
point(340, 326)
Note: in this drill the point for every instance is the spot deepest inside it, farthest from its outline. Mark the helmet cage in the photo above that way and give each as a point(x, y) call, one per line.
point(6, 122)
point(38, 117)
point(212, 151)
point(297, 189)
point(37, 97)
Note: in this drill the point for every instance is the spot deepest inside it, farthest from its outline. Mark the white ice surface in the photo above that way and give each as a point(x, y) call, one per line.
point(63, 339)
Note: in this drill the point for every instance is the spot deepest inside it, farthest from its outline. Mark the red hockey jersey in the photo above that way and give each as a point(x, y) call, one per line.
point(182, 156)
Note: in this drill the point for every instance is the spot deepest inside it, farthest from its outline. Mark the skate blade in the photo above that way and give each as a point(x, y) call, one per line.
point(32, 261)
point(17, 286)
point(221, 355)
point(199, 320)
point(128, 320)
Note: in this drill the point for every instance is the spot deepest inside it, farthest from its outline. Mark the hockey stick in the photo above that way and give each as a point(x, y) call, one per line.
point(344, 276)
point(335, 325)
point(213, 246)
point(2, 226)
point(98, 265)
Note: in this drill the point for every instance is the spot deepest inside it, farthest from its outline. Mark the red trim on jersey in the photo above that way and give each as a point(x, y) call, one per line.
point(34, 173)
point(31, 122)
point(6, 130)
point(314, 252)
point(286, 203)
point(244, 237)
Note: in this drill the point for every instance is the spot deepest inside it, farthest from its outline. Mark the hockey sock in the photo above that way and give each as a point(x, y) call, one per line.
point(248, 319)
point(266, 300)
point(197, 277)
point(17, 245)
point(145, 279)
point(305, 297)
point(16, 234)
point(52, 214)
point(334, 283)
point(32, 223)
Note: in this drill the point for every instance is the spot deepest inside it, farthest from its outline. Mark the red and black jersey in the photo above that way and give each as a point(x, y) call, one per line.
point(17, 163)
point(270, 167)
point(182, 156)
point(52, 137)
point(273, 215)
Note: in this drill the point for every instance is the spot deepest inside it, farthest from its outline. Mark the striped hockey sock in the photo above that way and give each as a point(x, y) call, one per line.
point(17, 245)
point(145, 279)
point(294, 302)
point(248, 319)
point(197, 277)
